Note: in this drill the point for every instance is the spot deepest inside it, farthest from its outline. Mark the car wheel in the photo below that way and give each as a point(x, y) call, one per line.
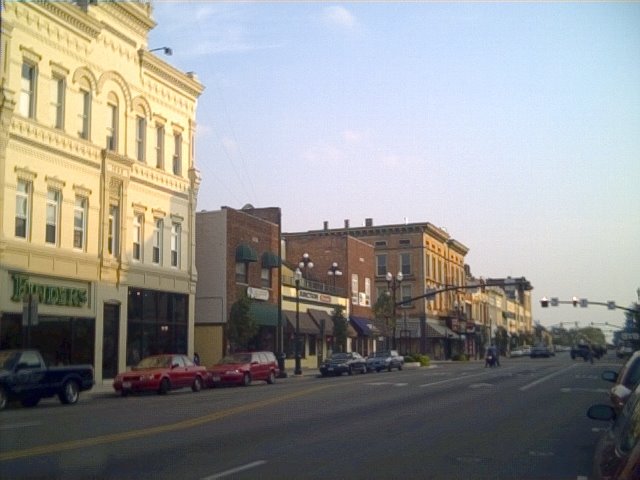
point(30, 401)
point(70, 393)
point(246, 380)
point(271, 379)
point(165, 386)
point(3, 399)
point(197, 384)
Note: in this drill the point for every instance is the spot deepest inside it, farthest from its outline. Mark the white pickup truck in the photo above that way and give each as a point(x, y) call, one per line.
point(385, 360)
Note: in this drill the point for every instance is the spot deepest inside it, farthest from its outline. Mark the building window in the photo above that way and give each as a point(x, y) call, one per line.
point(113, 234)
point(242, 272)
point(138, 221)
point(176, 230)
point(85, 115)
point(265, 277)
point(28, 91)
point(58, 86)
point(112, 127)
point(160, 146)
point(157, 241)
point(23, 208)
point(53, 211)
point(79, 222)
point(405, 294)
point(381, 265)
point(380, 243)
point(177, 154)
point(141, 128)
point(405, 263)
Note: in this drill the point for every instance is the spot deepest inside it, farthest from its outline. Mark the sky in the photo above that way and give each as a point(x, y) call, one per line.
point(514, 126)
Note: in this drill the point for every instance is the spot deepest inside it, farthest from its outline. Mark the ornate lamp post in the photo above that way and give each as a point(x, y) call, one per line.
point(393, 283)
point(334, 271)
point(305, 263)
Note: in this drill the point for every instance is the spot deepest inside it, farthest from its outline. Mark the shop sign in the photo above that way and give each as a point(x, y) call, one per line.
point(258, 293)
point(318, 297)
point(48, 294)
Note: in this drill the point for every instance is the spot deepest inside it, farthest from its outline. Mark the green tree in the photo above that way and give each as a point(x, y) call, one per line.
point(241, 327)
point(384, 310)
point(339, 328)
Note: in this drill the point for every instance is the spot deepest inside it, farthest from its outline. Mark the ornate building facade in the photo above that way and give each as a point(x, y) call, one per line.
point(98, 186)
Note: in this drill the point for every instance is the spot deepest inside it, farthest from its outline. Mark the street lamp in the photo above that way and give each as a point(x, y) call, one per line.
point(165, 50)
point(393, 283)
point(305, 263)
point(334, 271)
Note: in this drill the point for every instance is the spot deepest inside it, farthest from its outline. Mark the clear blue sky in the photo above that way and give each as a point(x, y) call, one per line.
point(515, 126)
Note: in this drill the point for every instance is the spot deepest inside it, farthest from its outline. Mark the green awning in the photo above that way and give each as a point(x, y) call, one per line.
point(265, 314)
point(244, 253)
point(270, 260)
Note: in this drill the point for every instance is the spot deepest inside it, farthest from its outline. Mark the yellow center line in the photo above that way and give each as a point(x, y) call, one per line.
point(144, 432)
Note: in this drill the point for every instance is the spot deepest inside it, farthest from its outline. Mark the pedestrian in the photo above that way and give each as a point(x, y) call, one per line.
point(196, 358)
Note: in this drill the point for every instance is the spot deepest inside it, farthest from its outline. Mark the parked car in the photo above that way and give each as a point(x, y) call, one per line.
point(624, 351)
point(617, 454)
point(340, 363)
point(385, 360)
point(24, 376)
point(161, 373)
point(625, 381)
point(540, 351)
point(242, 368)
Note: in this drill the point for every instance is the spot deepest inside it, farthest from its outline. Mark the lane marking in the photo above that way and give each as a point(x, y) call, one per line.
point(579, 389)
point(145, 432)
point(462, 377)
point(239, 469)
point(20, 425)
point(545, 378)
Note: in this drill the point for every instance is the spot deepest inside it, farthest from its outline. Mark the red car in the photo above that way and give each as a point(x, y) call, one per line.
point(161, 373)
point(243, 368)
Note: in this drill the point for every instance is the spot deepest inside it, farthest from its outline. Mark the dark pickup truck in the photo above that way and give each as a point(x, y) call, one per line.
point(24, 376)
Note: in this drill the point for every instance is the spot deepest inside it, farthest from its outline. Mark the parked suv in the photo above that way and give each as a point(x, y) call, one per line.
point(244, 367)
point(385, 360)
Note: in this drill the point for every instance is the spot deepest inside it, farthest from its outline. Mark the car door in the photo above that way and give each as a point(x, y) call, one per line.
point(258, 366)
point(177, 371)
point(30, 373)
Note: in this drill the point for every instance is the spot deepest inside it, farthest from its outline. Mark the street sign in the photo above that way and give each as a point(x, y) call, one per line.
point(554, 301)
point(611, 305)
point(584, 303)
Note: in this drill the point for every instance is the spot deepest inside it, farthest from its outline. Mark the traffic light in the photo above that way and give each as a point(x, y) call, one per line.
point(544, 302)
point(575, 301)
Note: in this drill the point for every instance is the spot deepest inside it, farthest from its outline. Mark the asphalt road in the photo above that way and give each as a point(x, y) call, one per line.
point(523, 420)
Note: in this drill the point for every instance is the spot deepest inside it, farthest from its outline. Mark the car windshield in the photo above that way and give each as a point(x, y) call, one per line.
point(7, 359)
point(382, 354)
point(339, 356)
point(236, 358)
point(161, 361)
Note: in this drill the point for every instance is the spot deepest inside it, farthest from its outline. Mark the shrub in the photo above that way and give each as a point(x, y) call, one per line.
point(423, 360)
point(460, 357)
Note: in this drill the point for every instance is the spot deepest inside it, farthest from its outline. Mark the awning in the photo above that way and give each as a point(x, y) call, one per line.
point(435, 330)
point(307, 325)
point(319, 315)
point(270, 260)
point(364, 326)
point(265, 314)
point(244, 253)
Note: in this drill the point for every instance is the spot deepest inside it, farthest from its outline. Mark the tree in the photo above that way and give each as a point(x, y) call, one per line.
point(241, 327)
point(339, 328)
point(384, 310)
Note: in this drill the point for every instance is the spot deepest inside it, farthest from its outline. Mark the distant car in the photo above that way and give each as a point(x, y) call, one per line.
point(242, 368)
point(339, 363)
point(583, 351)
point(385, 360)
point(624, 351)
point(517, 352)
point(540, 351)
point(617, 454)
point(625, 381)
point(161, 373)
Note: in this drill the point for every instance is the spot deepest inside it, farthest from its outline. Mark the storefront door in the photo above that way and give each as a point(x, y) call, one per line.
point(110, 340)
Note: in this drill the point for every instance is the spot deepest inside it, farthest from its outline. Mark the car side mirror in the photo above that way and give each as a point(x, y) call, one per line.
point(609, 376)
point(601, 412)
point(174, 365)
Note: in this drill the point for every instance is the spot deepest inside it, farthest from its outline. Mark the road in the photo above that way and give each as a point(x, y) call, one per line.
point(523, 420)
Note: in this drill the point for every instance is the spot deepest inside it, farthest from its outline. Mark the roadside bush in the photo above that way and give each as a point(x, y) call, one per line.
point(460, 357)
point(423, 360)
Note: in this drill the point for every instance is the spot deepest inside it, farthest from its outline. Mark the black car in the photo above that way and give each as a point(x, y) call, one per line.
point(340, 363)
point(540, 351)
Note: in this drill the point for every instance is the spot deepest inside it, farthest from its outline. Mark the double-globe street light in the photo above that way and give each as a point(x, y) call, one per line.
point(393, 283)
point(304, 264)
point(334, 271)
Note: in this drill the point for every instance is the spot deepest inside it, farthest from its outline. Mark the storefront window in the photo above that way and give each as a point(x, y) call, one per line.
point(157, 323)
